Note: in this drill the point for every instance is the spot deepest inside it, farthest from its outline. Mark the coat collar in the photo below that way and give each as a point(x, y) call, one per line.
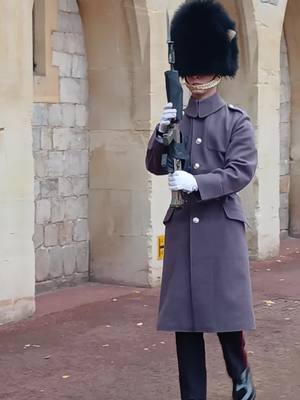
point(203, 108)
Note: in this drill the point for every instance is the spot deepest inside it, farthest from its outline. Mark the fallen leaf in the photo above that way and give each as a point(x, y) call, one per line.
point(269, 302)
point(47, 357)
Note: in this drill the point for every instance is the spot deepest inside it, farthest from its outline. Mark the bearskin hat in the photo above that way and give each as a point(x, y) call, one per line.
point(205, 39)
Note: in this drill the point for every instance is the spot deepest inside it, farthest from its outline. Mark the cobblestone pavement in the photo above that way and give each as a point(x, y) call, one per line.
point(98, 342)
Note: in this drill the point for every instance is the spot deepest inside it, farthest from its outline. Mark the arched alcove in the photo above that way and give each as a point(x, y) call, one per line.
point(292, 34)
point(242, 90)
point(117, 35)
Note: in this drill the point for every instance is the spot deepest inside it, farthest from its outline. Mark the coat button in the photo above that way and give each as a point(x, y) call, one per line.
point(198, 140)
point(196, 166)
point(196, 220)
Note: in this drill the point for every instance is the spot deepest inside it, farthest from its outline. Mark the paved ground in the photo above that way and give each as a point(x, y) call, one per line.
point(99, 342)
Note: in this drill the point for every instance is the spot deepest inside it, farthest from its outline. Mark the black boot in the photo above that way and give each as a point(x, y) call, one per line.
point(244, 389)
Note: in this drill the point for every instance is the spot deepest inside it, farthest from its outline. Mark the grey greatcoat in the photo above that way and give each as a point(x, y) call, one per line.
point(205, 283)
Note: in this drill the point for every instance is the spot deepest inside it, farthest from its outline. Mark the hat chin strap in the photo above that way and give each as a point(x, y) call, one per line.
point(200, 88)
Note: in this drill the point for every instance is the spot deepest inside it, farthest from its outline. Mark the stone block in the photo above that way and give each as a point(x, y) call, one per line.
point(285, 184)
point(82, 257)
point(62, 138)
point(81, 115)
point(285, 132)
point(41, 164)
point(284, 200)
point(39, 114)
point(42, 261)
point(81, 230)
point(38, 236)
point(80, 141)
point(76, 207)
point(46, 139)
point(64, 62)
point(56, 261)
point(42, 211)
point(69, 253)
point(79, 66)
point(74, 186)
point(57, 210)
point(51, 235)
point(56, 163)
point(68, 115)
point(74, 43)
point(285, 112)
point(284, 218)
point(76, 163)
point(285, 94)
point(73, 90)
point(49, 188)
point(284, 167)
point(69, 23)
point(58, 41)
point(65, 187)
point(80, 185)
point(36, 139)
point(68, 6)
point(37, 189)
point(55, 115)
point(65, 232)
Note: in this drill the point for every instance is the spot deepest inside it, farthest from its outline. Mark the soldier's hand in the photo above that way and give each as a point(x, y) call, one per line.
point(182, 180)
point(168, 114)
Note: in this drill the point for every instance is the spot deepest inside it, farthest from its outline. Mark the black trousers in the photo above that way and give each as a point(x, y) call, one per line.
point(191, 361)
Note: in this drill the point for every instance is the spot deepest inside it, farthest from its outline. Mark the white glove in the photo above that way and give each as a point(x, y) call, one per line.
point(168, 114)
point(182, 180)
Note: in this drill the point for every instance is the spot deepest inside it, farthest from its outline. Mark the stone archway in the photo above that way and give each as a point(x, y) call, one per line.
point(292, 34)
point(242, 92)
point(117, 42)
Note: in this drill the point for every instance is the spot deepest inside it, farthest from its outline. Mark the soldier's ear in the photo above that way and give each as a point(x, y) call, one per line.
point(231, 34)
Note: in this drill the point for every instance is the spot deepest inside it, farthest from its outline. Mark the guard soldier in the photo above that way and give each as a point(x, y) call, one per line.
point(206, 282)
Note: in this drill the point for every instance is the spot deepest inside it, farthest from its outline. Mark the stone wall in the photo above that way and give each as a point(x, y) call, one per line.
point(61, 161)
point(285, 136)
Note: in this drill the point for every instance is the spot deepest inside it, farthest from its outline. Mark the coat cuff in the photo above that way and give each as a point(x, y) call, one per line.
point(209, 185)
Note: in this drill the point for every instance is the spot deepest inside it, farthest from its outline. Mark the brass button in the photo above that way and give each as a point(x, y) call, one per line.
point(196, 220)
point(196, 166)
point(198, 140)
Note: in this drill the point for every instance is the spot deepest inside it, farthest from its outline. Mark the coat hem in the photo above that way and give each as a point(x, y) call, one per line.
point(207, 330)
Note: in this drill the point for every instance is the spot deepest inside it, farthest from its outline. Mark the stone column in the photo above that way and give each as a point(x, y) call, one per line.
point(16, 162)
point(292, 30)
point(266, 94)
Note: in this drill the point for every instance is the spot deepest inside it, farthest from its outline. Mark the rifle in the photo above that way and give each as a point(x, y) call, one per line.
point(176, 152)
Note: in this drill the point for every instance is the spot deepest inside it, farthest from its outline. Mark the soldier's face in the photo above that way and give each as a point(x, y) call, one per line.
point(199, 79)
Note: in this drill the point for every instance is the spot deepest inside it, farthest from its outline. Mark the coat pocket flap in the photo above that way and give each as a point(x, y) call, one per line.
point(233, 210)
point(168, 215)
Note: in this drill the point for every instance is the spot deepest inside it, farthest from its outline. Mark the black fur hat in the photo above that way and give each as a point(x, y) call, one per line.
point(205, 39)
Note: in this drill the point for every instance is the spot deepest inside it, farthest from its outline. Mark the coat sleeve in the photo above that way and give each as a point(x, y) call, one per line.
point(240, 164)
point(154, 154)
